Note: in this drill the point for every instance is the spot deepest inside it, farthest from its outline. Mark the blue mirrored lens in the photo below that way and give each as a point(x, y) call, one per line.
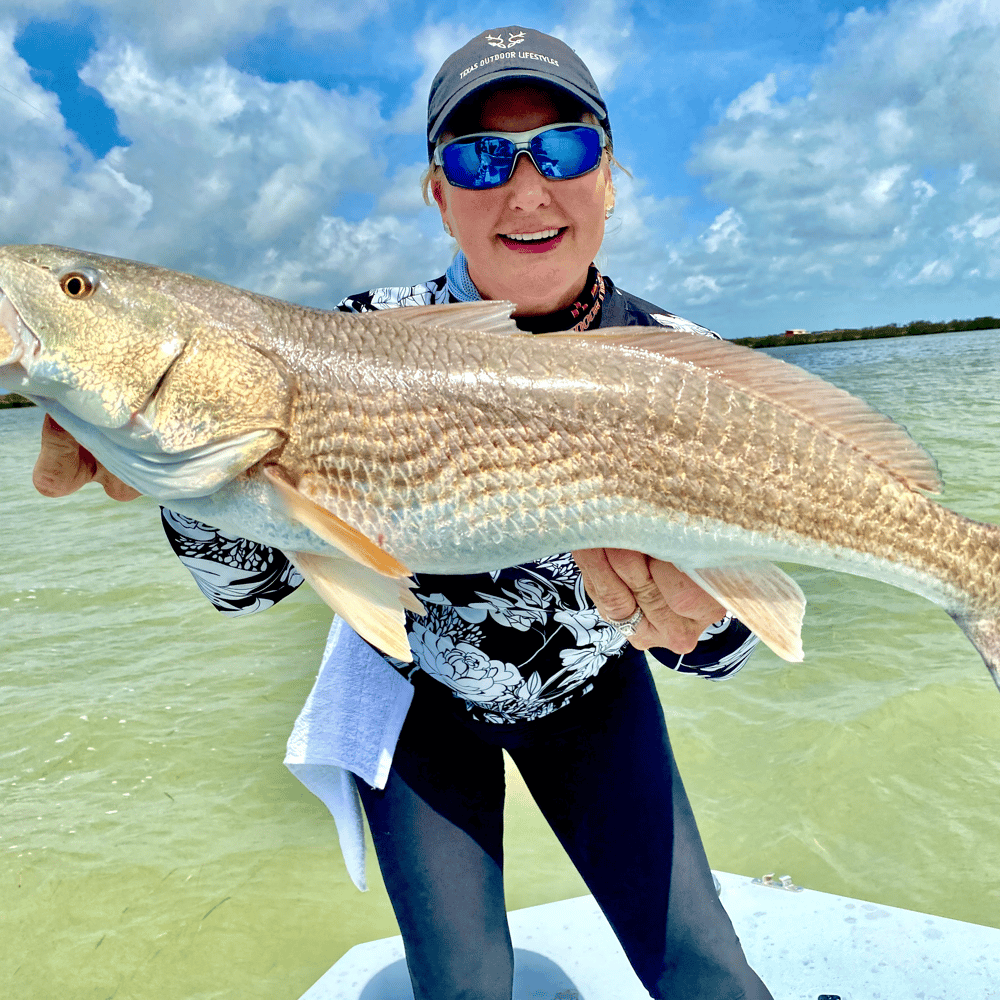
point(481, 162)
point(565, 152)
point(487, 161)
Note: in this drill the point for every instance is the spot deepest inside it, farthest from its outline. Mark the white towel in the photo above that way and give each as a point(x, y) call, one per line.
point(349, 723)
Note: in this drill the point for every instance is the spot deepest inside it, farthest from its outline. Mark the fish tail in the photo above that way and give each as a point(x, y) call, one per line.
point(983, 631)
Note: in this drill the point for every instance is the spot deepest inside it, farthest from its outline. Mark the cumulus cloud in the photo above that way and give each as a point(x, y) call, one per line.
point(433, 43)
point(51, 188)
point(278, 187)
point(601, 34)
point(191, 30)
point(853, 189)
point(756, 100)
point(871, 175)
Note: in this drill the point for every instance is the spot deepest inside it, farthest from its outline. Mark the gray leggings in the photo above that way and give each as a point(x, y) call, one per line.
point(603, 775)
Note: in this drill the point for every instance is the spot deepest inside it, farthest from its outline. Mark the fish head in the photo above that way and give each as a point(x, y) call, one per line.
point(142, 361)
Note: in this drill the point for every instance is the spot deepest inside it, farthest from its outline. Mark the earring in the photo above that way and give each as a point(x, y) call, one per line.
point(447, 229)
point(608, 212)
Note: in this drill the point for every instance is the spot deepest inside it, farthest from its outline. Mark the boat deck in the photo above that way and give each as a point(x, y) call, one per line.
point(804, 944)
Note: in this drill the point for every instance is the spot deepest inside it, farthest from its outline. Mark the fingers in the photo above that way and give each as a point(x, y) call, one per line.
point(684, 596)
point(113, 486)
point(613, 598)
point(676, 610)
point(64, 465)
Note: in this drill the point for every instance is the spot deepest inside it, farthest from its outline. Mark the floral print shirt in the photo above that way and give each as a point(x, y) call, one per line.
point(515, 644)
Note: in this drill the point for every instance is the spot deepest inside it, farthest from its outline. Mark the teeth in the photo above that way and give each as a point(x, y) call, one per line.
point(545, 234)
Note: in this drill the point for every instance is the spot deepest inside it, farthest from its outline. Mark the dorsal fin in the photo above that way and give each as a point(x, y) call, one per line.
point(491, 316)
point(851, 419)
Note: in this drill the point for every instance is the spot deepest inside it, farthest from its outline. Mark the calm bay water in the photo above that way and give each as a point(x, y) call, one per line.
point(152, 845)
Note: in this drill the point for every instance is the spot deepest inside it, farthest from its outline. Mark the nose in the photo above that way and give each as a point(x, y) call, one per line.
point(527, 188)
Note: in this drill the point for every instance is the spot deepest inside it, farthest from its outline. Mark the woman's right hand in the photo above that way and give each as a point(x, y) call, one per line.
point(64, 465)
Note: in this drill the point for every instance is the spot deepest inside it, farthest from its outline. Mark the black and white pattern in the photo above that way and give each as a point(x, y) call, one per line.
point(516, 644)
point(429, 293)
point(238, 576)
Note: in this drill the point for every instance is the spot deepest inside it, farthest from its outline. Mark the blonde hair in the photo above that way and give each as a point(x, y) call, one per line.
point(434, 172)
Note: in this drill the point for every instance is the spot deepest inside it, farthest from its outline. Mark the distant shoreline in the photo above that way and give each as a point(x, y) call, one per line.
point(11, 401)
point(917, 329)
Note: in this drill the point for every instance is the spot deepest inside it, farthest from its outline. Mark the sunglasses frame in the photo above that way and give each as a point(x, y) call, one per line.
point(522, 144)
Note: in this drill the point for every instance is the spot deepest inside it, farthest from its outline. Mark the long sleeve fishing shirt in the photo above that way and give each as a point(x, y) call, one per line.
point(514, 644)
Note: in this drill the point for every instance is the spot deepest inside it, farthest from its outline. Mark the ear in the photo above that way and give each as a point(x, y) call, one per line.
point(609, 191)
point(437, 192)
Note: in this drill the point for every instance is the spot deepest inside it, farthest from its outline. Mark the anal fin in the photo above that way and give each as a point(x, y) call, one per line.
point(766, 599)
point(371, 603)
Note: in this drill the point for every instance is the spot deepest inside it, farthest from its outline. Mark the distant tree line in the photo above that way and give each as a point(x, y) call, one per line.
point(914, 329)
point(11, 399)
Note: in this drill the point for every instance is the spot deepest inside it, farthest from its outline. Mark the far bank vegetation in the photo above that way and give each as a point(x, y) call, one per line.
point(915, 329)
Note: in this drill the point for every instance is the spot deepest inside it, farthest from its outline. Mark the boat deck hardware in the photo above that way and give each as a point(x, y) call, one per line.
point(784, 882)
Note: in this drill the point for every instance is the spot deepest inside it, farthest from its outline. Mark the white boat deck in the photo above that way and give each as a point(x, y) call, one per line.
point(804, 945)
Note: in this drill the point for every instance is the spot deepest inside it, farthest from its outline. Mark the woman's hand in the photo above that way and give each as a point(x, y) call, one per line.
point(64, 465)
point(675, 609)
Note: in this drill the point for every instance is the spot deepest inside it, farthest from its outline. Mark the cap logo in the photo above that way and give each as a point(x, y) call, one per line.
point(512, 40)
point(497, 42)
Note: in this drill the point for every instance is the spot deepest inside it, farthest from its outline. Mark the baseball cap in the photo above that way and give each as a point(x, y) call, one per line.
point(506, 54)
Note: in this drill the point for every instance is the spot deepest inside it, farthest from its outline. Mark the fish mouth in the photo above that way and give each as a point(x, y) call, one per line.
point(18, 342)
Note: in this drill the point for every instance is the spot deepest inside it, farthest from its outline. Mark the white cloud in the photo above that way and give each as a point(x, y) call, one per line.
point(854, 187)
point(756, 99)
point(876, 175)
point(726, 230)
point(601, 34)
point(433, 43)
point(51, 189)
point(192, 30)
point(936, 272)
point(277, 187)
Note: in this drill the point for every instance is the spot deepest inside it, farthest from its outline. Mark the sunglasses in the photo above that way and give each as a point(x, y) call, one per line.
point(486, 160)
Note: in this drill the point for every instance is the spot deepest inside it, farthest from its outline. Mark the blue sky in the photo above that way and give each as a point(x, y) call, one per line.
point(814, 164)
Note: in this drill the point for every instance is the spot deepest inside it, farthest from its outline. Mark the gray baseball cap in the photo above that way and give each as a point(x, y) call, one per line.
point(505, 54)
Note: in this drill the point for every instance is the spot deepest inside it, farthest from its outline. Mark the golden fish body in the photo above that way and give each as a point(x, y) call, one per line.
point(440, 440)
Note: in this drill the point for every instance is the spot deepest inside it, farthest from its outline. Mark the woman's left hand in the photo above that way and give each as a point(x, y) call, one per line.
point(675, 610)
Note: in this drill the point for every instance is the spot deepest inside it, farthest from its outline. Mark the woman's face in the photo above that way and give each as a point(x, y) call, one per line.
point(545, 274)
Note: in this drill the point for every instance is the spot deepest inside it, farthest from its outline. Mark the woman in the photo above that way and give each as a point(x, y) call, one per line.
point(543, 660)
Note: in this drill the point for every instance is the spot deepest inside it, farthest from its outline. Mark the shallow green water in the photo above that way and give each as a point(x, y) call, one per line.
point(152, 845)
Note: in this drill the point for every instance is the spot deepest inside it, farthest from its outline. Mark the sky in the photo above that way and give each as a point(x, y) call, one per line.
point(812, 164)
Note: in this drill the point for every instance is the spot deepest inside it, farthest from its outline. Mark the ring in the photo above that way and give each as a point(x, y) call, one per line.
point(627, 626)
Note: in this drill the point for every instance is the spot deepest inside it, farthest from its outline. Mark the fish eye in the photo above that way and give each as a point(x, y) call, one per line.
point(79, 284)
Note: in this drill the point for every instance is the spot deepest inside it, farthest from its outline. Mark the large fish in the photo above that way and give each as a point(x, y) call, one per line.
point(441, 440)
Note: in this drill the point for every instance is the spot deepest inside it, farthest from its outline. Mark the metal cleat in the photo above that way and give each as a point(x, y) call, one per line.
point(783, 882)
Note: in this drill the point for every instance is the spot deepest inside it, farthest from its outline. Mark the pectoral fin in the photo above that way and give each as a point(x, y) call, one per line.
point(369, 602)
point(766, 599)
point(334, 530)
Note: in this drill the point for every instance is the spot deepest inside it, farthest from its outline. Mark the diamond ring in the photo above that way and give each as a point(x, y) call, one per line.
point(627, 626)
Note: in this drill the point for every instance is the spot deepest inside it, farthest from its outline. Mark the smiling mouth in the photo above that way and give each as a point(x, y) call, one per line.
point(537, 239)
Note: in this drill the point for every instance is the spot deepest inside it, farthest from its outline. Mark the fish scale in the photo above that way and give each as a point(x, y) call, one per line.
point(737, 433)
point(442, 440)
